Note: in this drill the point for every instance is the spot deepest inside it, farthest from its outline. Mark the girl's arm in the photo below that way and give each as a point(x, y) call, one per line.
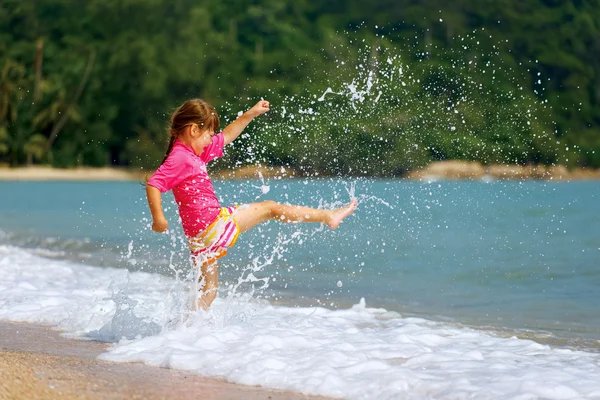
point(233, 130)
point(159, 223)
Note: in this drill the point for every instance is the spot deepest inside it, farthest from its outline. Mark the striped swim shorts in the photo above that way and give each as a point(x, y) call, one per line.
point(212, 243)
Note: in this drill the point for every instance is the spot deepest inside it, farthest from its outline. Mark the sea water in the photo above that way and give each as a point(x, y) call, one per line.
point(429, 290)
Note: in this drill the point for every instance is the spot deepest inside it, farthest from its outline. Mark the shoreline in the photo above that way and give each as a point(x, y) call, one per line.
point(36, 362)
point(439, 170)
point(45, 173)
point(473, 170)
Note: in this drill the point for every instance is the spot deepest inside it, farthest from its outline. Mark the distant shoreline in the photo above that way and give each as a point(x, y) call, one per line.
point(43, 173)
point(473, 170)
point(440, 170)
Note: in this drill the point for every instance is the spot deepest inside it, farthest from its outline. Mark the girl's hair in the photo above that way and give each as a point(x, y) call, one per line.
point(194, 111)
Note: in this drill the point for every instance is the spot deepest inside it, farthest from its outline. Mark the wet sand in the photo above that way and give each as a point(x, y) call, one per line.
point(36, 362)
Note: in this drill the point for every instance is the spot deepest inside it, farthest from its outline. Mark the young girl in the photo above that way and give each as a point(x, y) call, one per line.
point(211, 229)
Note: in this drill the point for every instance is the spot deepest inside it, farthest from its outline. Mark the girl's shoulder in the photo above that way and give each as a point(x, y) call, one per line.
point(183, 158)
point(181, 154)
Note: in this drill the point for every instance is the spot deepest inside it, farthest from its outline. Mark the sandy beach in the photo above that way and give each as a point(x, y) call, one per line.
point(36, 362)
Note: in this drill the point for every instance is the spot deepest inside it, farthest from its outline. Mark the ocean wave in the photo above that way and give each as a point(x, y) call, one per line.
point(354, 353)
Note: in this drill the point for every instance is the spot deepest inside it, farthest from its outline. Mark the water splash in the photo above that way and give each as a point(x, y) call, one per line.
point(264, 188)
point(389, 114)
point(125, 324)
point(389, 106)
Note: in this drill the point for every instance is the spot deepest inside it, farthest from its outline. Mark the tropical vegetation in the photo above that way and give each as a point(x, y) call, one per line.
point(357, 88)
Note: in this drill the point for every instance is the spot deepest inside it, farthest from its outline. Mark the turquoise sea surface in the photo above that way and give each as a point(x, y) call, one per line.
point(514, 257)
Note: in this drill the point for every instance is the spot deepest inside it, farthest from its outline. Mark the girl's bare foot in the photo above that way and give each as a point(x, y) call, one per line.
point(338, 215)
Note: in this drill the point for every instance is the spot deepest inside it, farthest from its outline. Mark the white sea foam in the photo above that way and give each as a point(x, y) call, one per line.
point(356, 353)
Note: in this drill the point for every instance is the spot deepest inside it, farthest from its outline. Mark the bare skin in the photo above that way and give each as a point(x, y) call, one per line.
point(256, 213)
point(209, 285)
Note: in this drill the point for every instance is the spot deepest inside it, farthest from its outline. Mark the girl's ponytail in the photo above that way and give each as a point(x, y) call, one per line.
point(169, 147)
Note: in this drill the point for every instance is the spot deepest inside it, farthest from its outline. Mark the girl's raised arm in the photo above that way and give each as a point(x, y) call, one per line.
point(233, 130)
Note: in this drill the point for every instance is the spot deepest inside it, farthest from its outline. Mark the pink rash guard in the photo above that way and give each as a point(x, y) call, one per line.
point(185, 173)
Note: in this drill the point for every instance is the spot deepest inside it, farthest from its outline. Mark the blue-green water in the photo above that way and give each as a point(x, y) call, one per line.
point(502, 255)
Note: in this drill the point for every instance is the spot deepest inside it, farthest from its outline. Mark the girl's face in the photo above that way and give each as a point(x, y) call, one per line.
point(201, 138)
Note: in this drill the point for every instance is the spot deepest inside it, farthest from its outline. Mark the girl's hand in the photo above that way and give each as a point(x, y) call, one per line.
point(160, 225)
point(233, 130)
point(260, 108)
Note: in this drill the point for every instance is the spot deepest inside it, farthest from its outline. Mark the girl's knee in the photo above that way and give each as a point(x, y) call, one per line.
point(273, 208)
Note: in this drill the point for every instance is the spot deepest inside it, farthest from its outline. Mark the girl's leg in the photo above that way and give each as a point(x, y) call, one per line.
point(255, 213)
point(209, 284)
